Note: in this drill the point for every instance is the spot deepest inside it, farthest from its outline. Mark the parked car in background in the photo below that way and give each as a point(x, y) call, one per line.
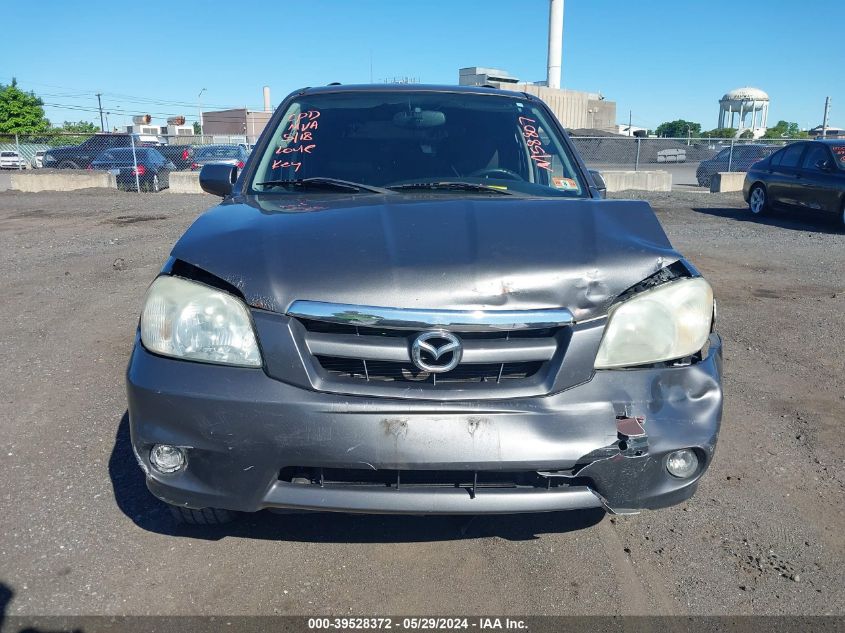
point(152, 168)
point(182, 156)
point(80, 156)
point(808, 176)
point(234, 155)
point(739, 159)
point(38, 159)
point(10, 159)
point(424, 307)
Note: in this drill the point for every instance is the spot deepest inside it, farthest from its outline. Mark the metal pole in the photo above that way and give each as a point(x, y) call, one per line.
point(135, 164)
point(199, 107)
point(637, 163)
point(630, 124)
point(18, 149)
point(553, 69)
point(731, 157)
point(100, 106)
point(826, 113)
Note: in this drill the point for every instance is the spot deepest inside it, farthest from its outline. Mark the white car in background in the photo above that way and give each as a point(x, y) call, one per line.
point(10, 159)
point(37, 161)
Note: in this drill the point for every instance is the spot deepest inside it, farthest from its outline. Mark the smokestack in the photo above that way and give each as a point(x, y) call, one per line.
point(267, 107)
point(555, 43)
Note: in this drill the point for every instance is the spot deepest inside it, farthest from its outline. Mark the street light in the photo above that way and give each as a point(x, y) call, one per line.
point(199, 108)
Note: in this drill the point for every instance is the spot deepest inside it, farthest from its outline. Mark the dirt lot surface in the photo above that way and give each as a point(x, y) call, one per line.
point(79, 534)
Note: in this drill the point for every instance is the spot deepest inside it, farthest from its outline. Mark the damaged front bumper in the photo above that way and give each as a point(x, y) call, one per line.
point(254, 442)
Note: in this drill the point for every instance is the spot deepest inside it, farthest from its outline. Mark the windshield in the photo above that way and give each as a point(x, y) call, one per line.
point(390, 139)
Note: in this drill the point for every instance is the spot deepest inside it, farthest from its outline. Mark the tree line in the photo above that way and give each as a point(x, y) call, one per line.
point(22, 113)
point(690, 129)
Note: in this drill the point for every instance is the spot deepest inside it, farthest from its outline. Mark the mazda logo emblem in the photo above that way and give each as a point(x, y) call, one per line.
point(437, 351)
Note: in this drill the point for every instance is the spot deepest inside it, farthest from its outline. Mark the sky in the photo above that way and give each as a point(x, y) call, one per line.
point(659, 59)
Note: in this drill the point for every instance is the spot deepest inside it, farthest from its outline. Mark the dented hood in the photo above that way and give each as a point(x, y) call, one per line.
point(458, 253)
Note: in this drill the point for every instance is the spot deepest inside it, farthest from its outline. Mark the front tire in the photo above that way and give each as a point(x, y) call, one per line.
point(205, 516)
point(758, 200)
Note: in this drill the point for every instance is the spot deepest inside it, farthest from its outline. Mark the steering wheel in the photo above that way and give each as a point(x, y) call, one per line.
point(497, 172)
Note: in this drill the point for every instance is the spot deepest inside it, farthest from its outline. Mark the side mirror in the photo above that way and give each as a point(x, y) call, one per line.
point(218, 179)
point(598, 182)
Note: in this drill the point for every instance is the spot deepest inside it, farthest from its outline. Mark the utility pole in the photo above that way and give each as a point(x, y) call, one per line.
point(199, 108)
point(100, 105)
point(630, 125)
point(826, 113)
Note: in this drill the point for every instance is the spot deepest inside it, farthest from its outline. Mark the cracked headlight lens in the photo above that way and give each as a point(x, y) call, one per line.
point(189, 320)
point(665, 323)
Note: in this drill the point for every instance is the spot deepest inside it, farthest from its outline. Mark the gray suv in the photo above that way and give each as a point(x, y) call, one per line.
point(413, 299)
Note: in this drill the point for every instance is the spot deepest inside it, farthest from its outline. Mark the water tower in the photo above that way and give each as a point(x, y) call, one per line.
point(741, 104)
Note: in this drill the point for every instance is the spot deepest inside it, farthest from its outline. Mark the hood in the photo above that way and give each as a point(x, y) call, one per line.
point(458, 253)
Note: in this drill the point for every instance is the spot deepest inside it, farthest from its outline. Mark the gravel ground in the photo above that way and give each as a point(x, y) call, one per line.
point(79, 534)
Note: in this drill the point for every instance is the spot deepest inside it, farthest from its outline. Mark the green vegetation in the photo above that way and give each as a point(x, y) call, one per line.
point(21, 112)
point(678, 129)
point(785, 129)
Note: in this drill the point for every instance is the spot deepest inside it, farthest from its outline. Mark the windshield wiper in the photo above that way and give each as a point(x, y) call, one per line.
point(454, 186)
point(319, 182)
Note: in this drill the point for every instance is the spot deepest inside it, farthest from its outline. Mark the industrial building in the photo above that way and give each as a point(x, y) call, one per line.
point(576, 110)
point(238, 121)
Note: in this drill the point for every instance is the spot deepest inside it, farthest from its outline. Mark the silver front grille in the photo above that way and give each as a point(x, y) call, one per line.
point(355, 344)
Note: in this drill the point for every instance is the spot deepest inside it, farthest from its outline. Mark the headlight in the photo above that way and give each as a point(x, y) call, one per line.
point(189, 320)
point(664, 323)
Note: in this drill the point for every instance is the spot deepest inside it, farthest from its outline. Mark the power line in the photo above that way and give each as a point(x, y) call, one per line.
point(77, 93)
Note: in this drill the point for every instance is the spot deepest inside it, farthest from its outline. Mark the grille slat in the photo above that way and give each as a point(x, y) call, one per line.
point(493, 373)
point(380, 355)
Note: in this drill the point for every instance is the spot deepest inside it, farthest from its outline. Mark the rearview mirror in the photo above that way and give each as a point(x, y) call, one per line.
point(218, 179)
point(598, 182)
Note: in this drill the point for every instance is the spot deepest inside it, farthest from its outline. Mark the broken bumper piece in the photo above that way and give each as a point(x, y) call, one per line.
point(253, 442)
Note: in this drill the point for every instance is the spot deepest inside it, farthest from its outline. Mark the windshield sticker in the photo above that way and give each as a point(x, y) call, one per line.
point(565, 183)
point(535, 145)
point(839, 153)
point(299, 134)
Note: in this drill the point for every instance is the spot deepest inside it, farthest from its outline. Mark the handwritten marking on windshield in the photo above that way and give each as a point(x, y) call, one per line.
point(278, 164)
point(305, 149)
point(535, 145)
point(299, 134)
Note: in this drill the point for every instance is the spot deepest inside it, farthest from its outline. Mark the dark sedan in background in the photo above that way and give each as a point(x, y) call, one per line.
point(803, 176)
point(739, 159)
point(234, 155)
point(149, 165)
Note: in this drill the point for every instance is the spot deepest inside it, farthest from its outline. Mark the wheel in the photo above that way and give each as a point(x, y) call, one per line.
point(842, 217)
point(206, 516)
point(703, 182)
point(758, 201)
point(68, 164)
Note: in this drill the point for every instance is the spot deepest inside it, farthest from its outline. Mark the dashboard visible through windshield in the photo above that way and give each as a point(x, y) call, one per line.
point(405, 140)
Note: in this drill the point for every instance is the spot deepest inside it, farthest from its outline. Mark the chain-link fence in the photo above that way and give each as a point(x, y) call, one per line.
point(692, 161)
point(144, 162)
point(139, 162)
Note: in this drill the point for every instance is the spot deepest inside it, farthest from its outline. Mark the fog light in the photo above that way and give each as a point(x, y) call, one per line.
point(682, 464)
point(166, 458)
